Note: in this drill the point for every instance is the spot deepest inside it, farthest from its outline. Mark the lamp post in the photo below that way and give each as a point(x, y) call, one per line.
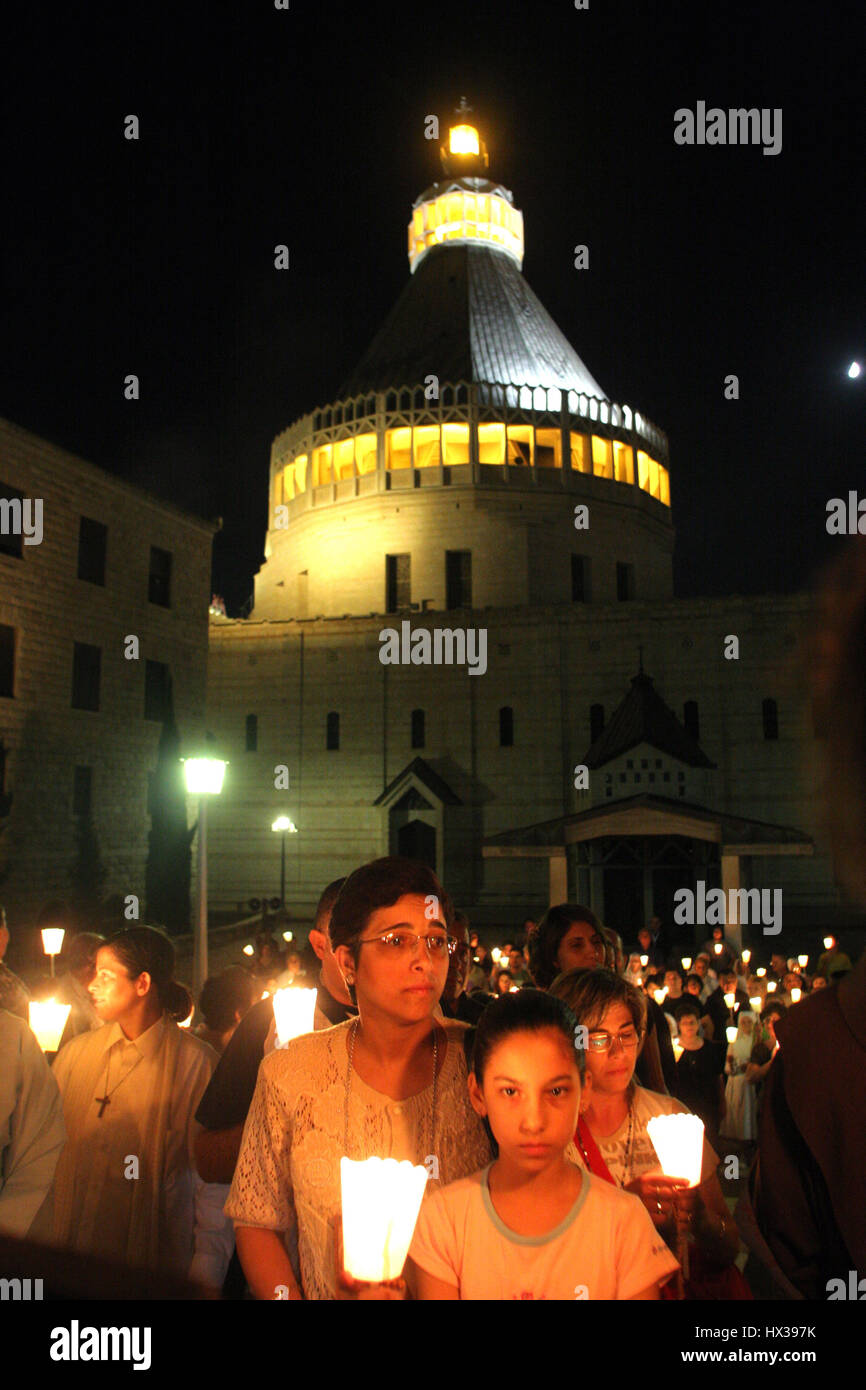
point(52, 944)
point(282, 825)
point(204, 778)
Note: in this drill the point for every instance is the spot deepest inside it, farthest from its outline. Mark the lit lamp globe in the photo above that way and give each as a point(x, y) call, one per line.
point(52, 943)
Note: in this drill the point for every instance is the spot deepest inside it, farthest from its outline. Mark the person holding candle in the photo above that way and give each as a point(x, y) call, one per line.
point(532, 1224)
point(740, 1120)
point(31, 1126)
point(722, 952)
point(612, 1139)
point(389, 1084)
point(130, 1090)
point(700, 1067)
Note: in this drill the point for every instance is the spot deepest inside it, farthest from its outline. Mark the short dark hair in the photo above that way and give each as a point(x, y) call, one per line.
point(147, 949)
point(325, 905)
point(689, 1006)
point(545, 941)
point(697, 979)
point(590, 993)
point(381, 884)
point(769, 1009)
point(82, 950)
point(224, 995)
point(529, 1011)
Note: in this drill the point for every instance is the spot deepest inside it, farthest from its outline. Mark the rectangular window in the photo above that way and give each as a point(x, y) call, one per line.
point(252, 733)
point(455, 445)
point(602, 457)
point(11, 519)
point(398, 449)
point(398, 582)
point(322, 465)
point(624, 582)
point(344, 460)
point(427, 446)
point(159, 579)
point(458, 579)
point(92, 540)
point(365, 453)
point(623, 462)
point(491, 444)
point(418, 728)
point(156, 690)
point(580, 453)
point(580, 579)
point(82, 788)
point(548, 449)
point(332, 732)
point(86, 666)
point(7, 662)
point(519, 439)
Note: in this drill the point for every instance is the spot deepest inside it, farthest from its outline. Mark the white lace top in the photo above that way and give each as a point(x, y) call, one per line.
point(287, 1176)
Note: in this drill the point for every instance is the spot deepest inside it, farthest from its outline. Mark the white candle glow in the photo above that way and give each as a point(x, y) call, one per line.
point(293, 1012)
point(678, 1049)
point(679, 1142)
point(52, 940)
point(796, 995)
point(756, 1002)
point(659, 995)
point(771, 986)
point(48, 1020)
point(761, 971)
point(746, 956)
point(730, 998)
point(829, 943)
point(718, 948)
point(804, 961)
point(687, 962)
point(644, 960)
point(381, 1199)
point(731, 1034)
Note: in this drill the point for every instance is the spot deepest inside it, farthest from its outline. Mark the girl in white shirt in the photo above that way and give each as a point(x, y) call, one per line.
point(532, 1225)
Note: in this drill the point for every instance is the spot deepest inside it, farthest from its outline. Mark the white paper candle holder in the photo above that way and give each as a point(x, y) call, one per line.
point(679, 1142)
point(293, 1012)
point(381, 1200)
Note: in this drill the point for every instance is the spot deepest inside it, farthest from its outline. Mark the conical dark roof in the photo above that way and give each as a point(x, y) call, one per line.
point(643, 717)
point(467, 314)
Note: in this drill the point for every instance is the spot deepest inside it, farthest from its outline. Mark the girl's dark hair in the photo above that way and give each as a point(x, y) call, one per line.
point(530, 1011)
point(381, 884)
point(545, 941)
point(142, 949)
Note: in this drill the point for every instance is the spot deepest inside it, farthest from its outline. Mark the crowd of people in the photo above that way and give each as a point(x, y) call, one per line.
point(529, 1073)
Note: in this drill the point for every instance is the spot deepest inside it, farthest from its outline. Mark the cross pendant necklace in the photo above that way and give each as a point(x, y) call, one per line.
point(102, 1101)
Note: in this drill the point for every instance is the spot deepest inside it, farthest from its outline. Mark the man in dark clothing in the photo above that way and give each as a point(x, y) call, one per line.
point(720, 1014)
point(808, 1181)
point(455, 1002)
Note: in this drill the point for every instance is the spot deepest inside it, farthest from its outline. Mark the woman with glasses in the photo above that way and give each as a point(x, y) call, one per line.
point(391, 1083)
point(612, 1139)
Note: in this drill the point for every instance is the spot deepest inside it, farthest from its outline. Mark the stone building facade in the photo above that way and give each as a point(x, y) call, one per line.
point(80, 721)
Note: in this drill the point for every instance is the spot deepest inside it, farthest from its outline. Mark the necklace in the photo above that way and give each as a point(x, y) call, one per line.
point(628, 1147)
point(352, 1035)
point(102, 1101)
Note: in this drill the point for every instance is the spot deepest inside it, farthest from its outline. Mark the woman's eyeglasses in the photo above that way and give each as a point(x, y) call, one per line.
point(604, 1042)
point(402, 943)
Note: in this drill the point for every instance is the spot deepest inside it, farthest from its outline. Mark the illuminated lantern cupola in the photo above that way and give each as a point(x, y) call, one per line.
point(466, 208)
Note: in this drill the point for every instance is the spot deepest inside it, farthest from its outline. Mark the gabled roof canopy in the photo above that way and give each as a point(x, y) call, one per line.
point(643, 717)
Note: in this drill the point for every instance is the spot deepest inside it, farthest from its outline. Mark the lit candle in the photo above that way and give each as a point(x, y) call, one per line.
point(678, 1049)
point(644, 960)
point(804, 961)
point(731, 1034)
point(52, 943)
point(287, 935)
point(48, 1020)
point(659, 995)
point(771, 986)
point(679, 1142)
point(496, 954)
point(796, 995)
point(687, 962)
point(381, 1199)
point(756, 1002)
point(187, 1021)
point(746, 956)
point(761, 971)
point(829, 943)
point(718, 948)
point(293, 1013)
point(249, 950)
point(730, 999)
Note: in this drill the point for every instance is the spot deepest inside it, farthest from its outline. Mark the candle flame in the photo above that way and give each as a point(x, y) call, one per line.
point(679, 1142)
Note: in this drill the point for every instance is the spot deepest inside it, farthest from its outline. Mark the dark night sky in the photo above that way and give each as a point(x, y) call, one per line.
point(306, 127)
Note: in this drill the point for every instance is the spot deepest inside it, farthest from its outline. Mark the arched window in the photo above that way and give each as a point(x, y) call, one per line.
point(506, 727)
point(770, 713)
point(691, 721)
point(596, 722)
point(418, 730)
point(332, 738)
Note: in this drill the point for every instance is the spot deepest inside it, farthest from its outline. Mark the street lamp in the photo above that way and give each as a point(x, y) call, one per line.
point(282, 825)
point(52, 944)
point(204, 778)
